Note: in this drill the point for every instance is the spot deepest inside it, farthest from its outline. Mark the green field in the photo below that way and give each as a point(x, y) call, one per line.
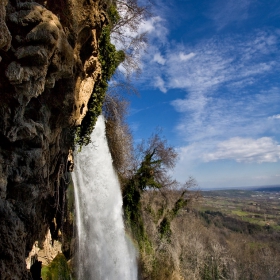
point(257, 207)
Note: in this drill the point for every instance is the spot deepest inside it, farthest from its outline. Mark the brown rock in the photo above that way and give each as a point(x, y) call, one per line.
point(47, 74)
point(5, 36)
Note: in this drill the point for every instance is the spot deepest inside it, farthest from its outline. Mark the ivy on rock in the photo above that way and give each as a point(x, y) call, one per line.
point(110, 59)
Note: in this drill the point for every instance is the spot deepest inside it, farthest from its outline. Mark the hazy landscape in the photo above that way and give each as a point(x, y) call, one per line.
point(259, 205)
point(220, 234)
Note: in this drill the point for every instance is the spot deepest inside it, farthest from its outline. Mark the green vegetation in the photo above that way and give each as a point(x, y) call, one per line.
point(150, 179)
point(68, 222)
point(259, 208)
point(211, 238)
point(206, 244)
point(142, 179)
point(165, 229)
point(57, 270)
point(139, 182)
point(110, 59)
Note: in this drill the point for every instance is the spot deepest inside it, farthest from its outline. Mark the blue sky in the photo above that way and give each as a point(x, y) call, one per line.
point(211, 81)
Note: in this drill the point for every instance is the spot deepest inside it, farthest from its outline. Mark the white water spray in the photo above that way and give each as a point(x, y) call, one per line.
point(104, 253)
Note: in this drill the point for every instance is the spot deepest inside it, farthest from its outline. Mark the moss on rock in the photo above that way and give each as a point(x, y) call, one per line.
point(57, 270)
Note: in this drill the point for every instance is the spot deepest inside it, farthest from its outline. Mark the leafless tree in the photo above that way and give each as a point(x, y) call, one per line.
point(118, 133)
point(127, 35)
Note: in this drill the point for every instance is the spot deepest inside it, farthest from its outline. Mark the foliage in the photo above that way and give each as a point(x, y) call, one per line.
point(157, 214)
point(149, 177)
point(164, 228)
point(67, 229)
point(123, 16)
point(179, 204)
point(57, 270)
point(142, 178)
point(113, 15)
point(109, 58)
point(167, 215)
point(131, 202)
point(150, 172)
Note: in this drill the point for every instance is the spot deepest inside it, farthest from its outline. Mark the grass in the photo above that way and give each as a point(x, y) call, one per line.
point(240, 213)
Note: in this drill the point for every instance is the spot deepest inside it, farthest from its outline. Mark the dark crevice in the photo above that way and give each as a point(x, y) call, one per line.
point(85, 40)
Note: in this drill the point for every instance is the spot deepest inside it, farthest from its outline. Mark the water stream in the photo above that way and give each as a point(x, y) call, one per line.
point(104, 252)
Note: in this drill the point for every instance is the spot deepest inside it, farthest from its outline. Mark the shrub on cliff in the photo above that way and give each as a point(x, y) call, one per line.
point(57, 270)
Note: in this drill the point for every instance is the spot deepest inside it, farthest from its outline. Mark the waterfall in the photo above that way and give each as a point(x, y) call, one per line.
point(104, 252)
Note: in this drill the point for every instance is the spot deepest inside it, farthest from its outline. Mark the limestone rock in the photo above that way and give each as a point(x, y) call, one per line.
point(45, 252)
point(48, 69)
point(5, 36)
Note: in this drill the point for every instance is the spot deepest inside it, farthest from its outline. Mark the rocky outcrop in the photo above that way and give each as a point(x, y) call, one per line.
point(5, 36)
point(49, 67)
point(45, 252)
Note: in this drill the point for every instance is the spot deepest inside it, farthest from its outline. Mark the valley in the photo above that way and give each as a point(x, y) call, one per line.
point(260, 207)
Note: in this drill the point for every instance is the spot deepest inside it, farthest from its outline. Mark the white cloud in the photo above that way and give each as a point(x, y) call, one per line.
point(147, 26)
point(240, 149)
point(215, 62)
point(226, 80)
point(155, 28)
point(218, 83)
point(234, 61)
point(218, 76)
point(275, 116)
point(229, 170)
point(185, 57)
point(159, 58)
point(159, 83)
point(204, 118)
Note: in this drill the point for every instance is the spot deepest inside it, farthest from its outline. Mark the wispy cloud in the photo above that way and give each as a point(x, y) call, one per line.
point(155, 27)
point(185, 57)
point(133, 111)
point(159, 83)
point(229, 88)
point(234, 62)
point(244, 115)
point(218, 76)
point(235, 162)
point(246, 150)
point(134, 126)
point(226, 12)
point(221, 60)
point(275, 117)
point(159, 59)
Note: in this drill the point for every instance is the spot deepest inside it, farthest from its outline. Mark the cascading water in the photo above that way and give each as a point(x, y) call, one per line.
point(104, 253)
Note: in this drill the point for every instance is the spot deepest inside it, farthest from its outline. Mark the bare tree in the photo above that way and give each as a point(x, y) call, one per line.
point(118, 133)
point(127, 35)
point(125, 17)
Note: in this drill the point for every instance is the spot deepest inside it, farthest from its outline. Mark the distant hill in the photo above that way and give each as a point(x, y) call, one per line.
point(271, 188)
point(267, 189)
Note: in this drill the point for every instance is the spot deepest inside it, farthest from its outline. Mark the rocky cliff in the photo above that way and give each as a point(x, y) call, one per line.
point(49, 67)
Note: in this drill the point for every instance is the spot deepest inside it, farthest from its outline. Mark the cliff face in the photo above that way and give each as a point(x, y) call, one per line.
point(48, 69)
